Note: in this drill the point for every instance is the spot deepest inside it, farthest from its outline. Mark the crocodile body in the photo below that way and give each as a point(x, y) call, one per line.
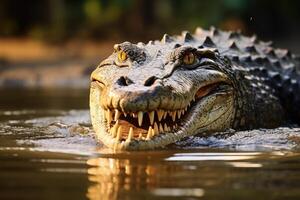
point(150, 95)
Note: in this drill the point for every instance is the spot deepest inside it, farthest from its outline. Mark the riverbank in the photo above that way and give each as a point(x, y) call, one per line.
point(26, 63)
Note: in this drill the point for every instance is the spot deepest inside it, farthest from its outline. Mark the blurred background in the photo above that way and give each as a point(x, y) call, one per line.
point(57, 43)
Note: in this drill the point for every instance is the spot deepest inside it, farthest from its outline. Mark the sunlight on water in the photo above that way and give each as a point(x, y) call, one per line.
point(63, 170)
point(245, 164)
point(197, 192)
point(211, 156)
point(58, 161)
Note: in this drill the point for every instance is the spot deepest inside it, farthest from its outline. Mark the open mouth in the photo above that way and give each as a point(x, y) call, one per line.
point(144, 125)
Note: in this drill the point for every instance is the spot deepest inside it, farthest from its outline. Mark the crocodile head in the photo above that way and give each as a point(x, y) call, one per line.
point(148, 96)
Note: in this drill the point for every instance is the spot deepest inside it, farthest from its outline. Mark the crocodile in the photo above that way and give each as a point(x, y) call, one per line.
point(146, 96)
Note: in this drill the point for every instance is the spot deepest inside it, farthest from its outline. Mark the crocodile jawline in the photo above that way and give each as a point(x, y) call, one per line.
point(144, 125)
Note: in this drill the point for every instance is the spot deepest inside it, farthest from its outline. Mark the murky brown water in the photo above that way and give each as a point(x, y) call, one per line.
point(47, 151)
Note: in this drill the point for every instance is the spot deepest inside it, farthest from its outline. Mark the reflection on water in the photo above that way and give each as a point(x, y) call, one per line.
point(132, 178)
point(202, 174)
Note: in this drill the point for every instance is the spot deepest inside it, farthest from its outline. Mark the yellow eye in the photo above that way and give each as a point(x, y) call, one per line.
point(189, 58)
point(122, 56)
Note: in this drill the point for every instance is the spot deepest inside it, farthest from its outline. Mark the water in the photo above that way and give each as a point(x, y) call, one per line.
point(48, 151)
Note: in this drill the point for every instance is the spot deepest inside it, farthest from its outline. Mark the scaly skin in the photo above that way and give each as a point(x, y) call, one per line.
point(145, 96)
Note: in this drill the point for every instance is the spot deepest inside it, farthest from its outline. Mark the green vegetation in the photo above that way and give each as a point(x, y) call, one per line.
point(56, 20)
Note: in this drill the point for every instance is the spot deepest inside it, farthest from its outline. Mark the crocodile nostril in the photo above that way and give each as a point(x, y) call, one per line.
point(150, 81)
point(124, 81)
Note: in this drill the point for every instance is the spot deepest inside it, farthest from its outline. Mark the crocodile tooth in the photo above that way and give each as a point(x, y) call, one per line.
point(166, 128)
point(161, 128)
point(155, 129)
point(125, 114)
point(152, 133)
point(117, 114)
point(160, 114)
point(173, 116)
point(130, 135)
point(151, 117)
point(114, 129)
point(119, 133)
point(134, 115)
point(140, 118)
point(122, 144)
point(165, 114)
point(169, 128)
point(178, 114)
point(140, 135)
point(149, 134)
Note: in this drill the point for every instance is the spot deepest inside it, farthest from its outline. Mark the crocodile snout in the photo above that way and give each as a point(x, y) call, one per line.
point(130, 96)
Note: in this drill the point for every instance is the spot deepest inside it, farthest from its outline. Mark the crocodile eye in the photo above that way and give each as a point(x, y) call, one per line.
point(122, 56)
point(189, 58)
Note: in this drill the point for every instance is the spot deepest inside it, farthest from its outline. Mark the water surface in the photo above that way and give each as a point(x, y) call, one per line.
point(48, 151)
